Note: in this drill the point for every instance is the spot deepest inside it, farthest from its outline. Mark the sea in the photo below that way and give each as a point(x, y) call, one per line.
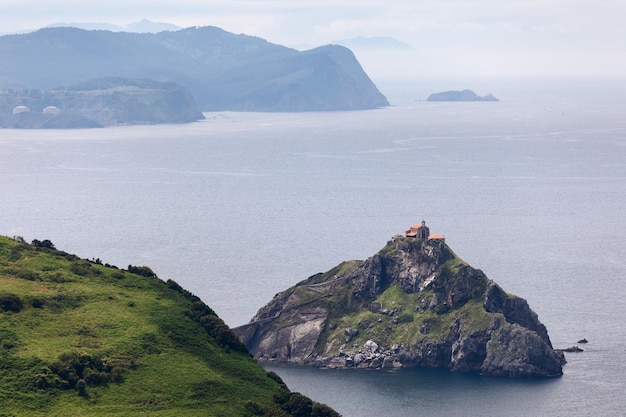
point(240, 206)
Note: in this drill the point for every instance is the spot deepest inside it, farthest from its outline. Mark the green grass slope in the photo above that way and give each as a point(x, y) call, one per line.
point(84, 339)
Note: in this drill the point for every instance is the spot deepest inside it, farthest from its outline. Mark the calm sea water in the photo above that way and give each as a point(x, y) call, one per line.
point(532, 190)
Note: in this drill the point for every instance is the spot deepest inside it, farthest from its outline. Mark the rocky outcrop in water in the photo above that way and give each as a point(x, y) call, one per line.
point(464, 95)
point(413, 304)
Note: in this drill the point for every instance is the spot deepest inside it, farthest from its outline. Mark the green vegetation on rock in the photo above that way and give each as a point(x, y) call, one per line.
point(81, 338)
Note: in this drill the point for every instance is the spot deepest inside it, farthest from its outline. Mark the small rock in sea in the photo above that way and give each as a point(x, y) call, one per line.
point(583, 341)
point(571, 349)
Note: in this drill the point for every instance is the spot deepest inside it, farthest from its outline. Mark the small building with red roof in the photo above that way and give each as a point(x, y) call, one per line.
point(421, 231)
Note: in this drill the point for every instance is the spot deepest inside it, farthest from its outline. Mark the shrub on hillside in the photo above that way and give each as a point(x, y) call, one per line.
point(222, 333)
point(297, 405)
point(46, 244)
point(322, 410)
point(144, 271)
point(80, 370)
point(10, 302)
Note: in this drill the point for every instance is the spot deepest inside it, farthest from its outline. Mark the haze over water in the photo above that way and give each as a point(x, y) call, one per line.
point(531, 189)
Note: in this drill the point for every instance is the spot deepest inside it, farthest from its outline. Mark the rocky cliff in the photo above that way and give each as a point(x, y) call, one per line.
point(413, 304)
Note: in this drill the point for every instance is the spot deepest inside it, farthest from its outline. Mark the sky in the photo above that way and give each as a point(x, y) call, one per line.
point(449, 38)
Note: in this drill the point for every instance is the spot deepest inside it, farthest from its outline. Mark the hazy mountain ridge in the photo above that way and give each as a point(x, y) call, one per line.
point(222, 70)
point(140, 26)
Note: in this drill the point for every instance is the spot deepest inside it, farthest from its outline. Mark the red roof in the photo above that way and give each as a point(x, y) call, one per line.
point(436, 237)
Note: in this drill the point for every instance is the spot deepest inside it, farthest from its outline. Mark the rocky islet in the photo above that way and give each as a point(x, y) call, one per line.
point(415, 303)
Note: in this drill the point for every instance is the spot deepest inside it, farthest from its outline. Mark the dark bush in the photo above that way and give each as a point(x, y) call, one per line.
point(37, 302)
point(71, 368)
point(281, 396)
point(298, 405)
point(222, 334)
point(322, 410)
point(173, 285)
point(144, 271)
point(10, 302)
point(46, 244)
point(273, 375)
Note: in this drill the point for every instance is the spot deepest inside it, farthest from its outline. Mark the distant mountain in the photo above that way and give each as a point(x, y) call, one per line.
point(142, 26)
point(222, 70)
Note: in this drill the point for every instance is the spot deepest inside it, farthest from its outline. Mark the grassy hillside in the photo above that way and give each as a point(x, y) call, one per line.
point(85, 339)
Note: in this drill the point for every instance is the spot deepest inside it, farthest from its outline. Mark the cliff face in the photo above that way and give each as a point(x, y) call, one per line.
point(413, 304)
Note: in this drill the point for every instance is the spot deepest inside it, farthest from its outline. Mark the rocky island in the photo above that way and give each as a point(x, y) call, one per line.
point(464, 95)
point(415, 303)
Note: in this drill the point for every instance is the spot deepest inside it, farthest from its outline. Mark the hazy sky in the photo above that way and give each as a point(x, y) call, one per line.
point(464, 38)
